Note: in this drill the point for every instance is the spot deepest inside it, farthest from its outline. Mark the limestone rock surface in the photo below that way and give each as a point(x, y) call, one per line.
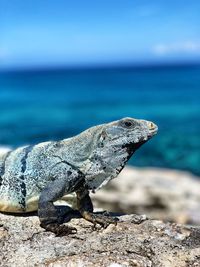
point(135, 241)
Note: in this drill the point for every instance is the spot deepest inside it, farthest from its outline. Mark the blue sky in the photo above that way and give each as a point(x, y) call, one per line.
point(42, 33)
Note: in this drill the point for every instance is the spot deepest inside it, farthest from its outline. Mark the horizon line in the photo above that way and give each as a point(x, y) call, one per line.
point(91, 67)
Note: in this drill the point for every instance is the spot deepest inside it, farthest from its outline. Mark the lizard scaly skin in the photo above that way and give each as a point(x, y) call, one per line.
point(34, 177)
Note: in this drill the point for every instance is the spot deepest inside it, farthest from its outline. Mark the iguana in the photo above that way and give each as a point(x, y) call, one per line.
point(34, 177)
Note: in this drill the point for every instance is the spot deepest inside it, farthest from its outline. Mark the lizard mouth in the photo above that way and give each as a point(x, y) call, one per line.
point(154, 130)
point(132, 147)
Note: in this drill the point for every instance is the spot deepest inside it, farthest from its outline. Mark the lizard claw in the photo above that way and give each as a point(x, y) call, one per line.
point(59, 230)
point(65, 230)
point(103, 220)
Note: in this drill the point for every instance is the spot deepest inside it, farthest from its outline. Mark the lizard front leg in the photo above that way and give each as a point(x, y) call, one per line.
point(47, 212)
point(49, 217)
point(85, 207)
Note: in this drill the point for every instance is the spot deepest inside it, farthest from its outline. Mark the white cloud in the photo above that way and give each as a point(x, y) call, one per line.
point(184, 47)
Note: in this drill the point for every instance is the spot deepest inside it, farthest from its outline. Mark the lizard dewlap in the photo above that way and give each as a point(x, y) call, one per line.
point(33, 177)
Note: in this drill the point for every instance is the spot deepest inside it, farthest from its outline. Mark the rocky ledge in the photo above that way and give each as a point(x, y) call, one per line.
point(169, 195)
point(134, 241)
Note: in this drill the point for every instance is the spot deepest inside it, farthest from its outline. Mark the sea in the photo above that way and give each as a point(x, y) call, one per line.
point(52, 104)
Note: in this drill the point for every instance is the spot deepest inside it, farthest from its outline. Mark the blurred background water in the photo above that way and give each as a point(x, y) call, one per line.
point(49, 105)
point(67, 66)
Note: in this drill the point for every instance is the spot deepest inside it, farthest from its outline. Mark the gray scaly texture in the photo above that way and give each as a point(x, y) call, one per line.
point(33, 176)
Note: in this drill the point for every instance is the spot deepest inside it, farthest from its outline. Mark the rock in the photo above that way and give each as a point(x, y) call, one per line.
point(149, 243)
point(135, 241)
point(169, 195)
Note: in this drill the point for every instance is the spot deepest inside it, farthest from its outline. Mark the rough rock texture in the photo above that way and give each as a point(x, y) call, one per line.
point(135, 241)
point(169, 195)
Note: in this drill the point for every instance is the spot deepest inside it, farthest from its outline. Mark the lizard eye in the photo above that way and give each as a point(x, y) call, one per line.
point(127, 123)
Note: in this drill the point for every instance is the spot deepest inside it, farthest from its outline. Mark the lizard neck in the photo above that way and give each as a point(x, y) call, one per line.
point(105, 165)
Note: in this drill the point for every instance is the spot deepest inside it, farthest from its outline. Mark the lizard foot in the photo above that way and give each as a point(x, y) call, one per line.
point(103, 220)
point(59, 230)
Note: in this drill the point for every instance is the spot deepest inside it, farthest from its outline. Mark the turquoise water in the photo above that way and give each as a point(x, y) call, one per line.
point(37, 106)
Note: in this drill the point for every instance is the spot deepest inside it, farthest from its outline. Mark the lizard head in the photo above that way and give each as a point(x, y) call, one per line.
point(116, 143)
point(128, 134)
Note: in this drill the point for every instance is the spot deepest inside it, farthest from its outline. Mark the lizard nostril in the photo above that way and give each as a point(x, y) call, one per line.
point(151, 125)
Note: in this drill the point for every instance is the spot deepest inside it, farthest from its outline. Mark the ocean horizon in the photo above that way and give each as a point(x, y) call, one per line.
point(43, 105)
